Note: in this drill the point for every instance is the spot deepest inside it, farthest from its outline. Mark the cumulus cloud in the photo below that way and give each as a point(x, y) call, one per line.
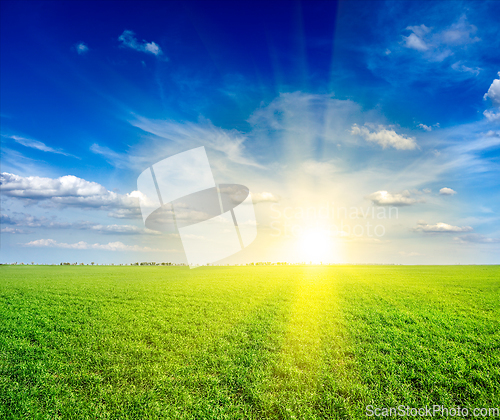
point(447, 191)
point(264, 197)
point(491, 115)
point(385, 137)
point(477, 239)
point(128, 40)
point(494, 95)
point(67, 190)
point(111, 246)
point(440, 228)
point(38, 145)
point(494, 91)
point(384, 198)
point(81, 48)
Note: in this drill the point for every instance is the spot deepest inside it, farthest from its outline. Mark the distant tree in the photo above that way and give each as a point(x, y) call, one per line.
point(92, 263)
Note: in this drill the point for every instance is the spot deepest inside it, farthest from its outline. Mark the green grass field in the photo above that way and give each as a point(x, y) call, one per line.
point(246, 342)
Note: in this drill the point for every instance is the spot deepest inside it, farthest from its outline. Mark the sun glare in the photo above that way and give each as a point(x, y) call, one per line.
point(316, 246)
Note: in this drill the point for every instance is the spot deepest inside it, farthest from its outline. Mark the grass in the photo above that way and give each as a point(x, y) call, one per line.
point(246, 342)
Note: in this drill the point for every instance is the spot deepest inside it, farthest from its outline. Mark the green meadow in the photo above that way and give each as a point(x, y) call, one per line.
point(262, 342)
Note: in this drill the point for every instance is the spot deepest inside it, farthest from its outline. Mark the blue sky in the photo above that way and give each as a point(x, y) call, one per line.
point(310, 104)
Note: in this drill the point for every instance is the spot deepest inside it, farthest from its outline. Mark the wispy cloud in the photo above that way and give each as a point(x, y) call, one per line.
point(440, 228)
point(477, 239)
point(81, 48)
point(38, 145)
point(27, 220)
point(190, 134)
point(12, 230)
point(118, 160)
point(128, 40)
point(438, 45)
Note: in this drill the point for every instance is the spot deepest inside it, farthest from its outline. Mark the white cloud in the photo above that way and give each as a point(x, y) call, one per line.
point(81, 48)
point(118, 229)
point(415, 42)
point(9, 229)
point(67, 190)
point(459, 66)
point(440, 228)
point(477, 238)
point(435, 46)
point(111, 246)
point(384, 198)
point(459, 33)
point(420, 30)
point(385, 137)
point(264, 197)
point(447, 191)
point(38, 145)
point(492, 115)
point(494, 91)
point(425, 127)
point(128, 39)
point(132, 213)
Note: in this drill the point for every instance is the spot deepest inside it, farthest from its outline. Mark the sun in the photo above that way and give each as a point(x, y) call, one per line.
point(316, 246)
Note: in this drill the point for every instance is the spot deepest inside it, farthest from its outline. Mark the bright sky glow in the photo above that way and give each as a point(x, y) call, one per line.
point(316, 246)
